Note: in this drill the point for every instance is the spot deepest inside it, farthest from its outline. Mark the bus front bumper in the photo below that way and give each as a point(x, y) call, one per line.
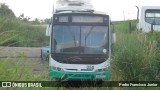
point(63, 75)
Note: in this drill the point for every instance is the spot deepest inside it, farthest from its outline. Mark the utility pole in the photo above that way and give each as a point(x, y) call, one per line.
point(137, 14)
point(123, 15)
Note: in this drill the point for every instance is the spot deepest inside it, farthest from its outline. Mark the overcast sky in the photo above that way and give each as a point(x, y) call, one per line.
point(117, 9)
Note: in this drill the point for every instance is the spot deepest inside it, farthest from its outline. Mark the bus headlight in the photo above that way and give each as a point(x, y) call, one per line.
point(57, 68)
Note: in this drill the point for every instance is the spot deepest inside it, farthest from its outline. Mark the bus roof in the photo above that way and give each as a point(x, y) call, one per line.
point(150, 7)
point(80, 5)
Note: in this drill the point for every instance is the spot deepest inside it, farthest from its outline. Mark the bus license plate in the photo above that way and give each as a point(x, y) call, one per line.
point(100, 76)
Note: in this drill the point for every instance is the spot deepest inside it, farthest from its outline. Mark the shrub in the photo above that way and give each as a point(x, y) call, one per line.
point(22, 34)
point(136, 57)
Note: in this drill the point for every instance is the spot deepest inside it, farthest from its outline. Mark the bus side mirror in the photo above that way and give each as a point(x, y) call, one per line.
point(48, 29)
point(113, 37)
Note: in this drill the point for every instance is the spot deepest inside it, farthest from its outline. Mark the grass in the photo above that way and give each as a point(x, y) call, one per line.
point(135, 56)
point(20, 34)
point(123, 26)
point(19, 69)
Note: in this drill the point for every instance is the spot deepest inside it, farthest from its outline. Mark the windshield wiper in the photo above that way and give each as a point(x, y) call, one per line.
point(73, 35)
point(86, 36)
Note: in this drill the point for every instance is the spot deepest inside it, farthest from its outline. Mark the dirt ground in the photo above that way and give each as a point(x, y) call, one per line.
point(17, 51)
point(29, 57)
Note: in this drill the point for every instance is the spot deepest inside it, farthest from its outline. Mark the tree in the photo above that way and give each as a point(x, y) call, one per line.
point(47, 21)
point(36, 21)
point(23, 18)
point(5, 11)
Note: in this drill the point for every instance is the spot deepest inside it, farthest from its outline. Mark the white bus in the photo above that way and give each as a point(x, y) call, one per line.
point(80, 42)
point(149, 18)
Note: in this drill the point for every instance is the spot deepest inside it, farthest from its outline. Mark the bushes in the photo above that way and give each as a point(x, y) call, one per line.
point(19, 68)
point(21, 34)
point(136, 57)
point(124, 26)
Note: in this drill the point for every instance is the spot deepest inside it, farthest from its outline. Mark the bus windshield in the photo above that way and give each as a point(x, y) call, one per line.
point(80, 39)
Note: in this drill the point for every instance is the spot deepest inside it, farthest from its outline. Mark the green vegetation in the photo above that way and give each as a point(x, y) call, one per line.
point(20, 32)
point(16, 33)
point(5, 11)
point(17, 69)
point(123, 26)
point(135, 56)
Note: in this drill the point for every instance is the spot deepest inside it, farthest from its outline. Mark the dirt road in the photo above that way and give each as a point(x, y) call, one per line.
point(18, 51)
point(29, 57)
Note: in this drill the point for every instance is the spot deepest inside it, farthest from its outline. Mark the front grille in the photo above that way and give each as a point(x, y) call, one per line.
point(72, 69)
point(78, 75)
point(86, 70)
